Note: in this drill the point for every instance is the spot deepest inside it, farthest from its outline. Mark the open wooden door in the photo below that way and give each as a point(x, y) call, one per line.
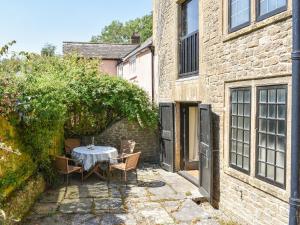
point(205, 151)
point(167, 143)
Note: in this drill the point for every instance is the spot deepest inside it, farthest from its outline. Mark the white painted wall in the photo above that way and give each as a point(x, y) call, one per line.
point(138, 70)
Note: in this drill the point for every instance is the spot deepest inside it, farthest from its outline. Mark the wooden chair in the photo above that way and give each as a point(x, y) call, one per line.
point(62, 165)
point(131, 162)
point(70, 144)
point(127, 147)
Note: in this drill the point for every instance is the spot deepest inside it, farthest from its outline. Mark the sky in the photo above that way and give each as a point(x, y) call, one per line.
point(33, 23)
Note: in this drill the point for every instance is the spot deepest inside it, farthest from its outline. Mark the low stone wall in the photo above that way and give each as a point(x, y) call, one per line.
point(146, 139)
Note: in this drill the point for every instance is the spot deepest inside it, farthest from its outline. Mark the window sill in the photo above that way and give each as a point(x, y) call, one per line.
point(189, 78)
point(279, 193)
point(256, 25)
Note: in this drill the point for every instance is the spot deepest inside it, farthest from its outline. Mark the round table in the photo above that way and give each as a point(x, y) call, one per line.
point(90, 157)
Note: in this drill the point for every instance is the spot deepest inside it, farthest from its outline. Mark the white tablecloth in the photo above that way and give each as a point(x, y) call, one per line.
point(90, 157)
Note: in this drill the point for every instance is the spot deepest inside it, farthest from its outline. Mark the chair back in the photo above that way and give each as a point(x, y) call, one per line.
point(70, 144)
point(61, 164)
point(127, 146)
point(132, 161)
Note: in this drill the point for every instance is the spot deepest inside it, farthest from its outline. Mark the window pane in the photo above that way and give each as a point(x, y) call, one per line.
point(267, 6)
point(247, 110)
point(190, 18)
point(247, 96)
point(246, 150)
point(263, 110)
point(239, 161)
point(233, 146)
point(233, 158)
point(262, 140)
point(281, 143)
point(233, 133)
point(262, 154)
point(281, 95)
point(240, 122)
point(280, 159)
point(272, 111)
point(240, 148)
point(234, 109)
point(262, 125)
point(271, 141)
point(272, 126)
point(263, 96)
point(240, 109)
point(240, 135)
point(281, 127)
point(246, 163)
point(270, 156)
point(262, 169)
point(246, 136)
point(234, 96)
point(246, 123)
point(234, 121)
point(280, 175)
point(270, 172)
point(281, 112)
point(240, 11)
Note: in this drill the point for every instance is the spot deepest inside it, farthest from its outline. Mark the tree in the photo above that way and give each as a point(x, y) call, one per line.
point(120, 33)
point(48, 50)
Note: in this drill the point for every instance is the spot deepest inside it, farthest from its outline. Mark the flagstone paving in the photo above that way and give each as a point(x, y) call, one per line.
point(159, 197)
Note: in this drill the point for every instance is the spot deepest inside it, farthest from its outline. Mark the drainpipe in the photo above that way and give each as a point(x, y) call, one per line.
point(152, 72)
point(295, 163)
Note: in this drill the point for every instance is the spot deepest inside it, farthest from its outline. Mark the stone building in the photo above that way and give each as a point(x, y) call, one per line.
point(224, 78)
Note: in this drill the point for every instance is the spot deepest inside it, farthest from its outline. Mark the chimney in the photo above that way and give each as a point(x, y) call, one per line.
point(135, 38)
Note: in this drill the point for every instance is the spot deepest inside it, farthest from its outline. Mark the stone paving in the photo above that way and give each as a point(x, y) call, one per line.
point(159, 197)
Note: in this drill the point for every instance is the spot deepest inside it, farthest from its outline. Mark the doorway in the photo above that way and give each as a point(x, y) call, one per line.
point(189, 151)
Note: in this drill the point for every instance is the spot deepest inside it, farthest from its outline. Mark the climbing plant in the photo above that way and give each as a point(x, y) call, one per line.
point(43, 96)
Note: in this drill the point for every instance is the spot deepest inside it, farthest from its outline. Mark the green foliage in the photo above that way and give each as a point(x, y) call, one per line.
point(48, 50)
point(4, 49)
point(41, 96)
point(118, 32)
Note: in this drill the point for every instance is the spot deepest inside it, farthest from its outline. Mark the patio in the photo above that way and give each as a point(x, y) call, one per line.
point(159, 197)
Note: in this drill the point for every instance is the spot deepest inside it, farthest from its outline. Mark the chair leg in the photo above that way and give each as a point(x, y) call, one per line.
point(67, 179)
point(125, 174)
point(136, 174)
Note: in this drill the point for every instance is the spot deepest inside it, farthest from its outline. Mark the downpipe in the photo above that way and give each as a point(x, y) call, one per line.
point(295, 139)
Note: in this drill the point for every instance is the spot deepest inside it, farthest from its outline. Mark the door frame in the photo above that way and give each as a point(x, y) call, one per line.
point(184, 136)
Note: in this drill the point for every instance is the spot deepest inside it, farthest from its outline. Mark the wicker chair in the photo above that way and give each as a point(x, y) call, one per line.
point(62, 165)
point(127, 147)
point(70, 144)
point(131, 162)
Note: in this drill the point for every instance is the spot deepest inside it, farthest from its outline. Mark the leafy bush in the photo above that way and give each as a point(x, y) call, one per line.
point(42, 95)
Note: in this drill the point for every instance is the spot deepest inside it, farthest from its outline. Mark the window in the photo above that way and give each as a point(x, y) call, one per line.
point(271, 134)
point(267, 8)
point(240, 129)
point(132, 65)
point(189, 41)
point(239, 14)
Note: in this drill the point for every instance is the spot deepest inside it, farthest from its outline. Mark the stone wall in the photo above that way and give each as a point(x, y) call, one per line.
point(255, 55)
point(146, 139)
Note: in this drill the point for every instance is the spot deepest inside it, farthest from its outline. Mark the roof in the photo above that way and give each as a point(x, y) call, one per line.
point(98, 50)
point(148, 43)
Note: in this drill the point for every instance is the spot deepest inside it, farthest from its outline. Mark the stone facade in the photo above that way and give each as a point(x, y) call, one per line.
point(146, 140)
point(259, 54)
